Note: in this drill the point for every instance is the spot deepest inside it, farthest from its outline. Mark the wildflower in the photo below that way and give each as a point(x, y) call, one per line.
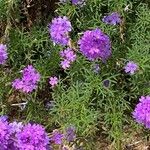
point(3, 118)
point(29, 80)
point(57, 137)
point(4, 134)
point(68, 57)
point(15, 127)
point(95, 44)
point(32, 137)
point(3, 53)
point(68, 54)
point(59, 30)
point(78, 2)
point(53, 81)
point(65, 64)
point(141, 112)
point(131, 67)
point(74, 2)
point(112, 19)
point(70, 134)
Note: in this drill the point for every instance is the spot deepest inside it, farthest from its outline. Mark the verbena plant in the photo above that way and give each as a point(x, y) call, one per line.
point(81, 97)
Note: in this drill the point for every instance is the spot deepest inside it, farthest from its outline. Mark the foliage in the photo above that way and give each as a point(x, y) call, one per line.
point(81, 98)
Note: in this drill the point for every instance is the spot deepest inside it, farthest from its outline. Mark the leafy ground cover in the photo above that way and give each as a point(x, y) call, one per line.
point(74, 74)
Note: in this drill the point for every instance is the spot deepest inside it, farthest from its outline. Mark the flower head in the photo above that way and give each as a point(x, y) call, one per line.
point(29, 80)
point(131, 67)
point(59, 30)
point(57, 137)
point(4, 134)
point(15, 127)
point(3, 118)
point(141, 112)
point(78, 2)
point(53, 81)
point(70, 134)
point(32, 137)
point(65, 64)
point(112, 19)
point(68, 54)
point(3, 53)
point(95, 44)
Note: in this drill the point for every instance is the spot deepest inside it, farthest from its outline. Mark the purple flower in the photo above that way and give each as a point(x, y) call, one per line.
point(65, 64)
point(68, 57)
point(70, 134)
point(59, 30)
point(4, 135)
point(29, 80)
point(131, 67)
point(68, 54)
point(32, 137)
point(141, 112)
point(112, 19)
point(57, 137)
point(78, 2)
point(53, 81)
point(3, 118)
point(15, 127)
point(95, 44)
point(3, 53)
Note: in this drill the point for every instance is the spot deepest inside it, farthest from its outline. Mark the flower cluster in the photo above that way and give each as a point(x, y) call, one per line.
point(142, 111)
point(32, 137)
point(29, 80)
point(59, 30)
point(74, 2)
point(95, 44)
point(4, 134)
point(70, 134)
point(57, 137)
point(53, 81)
point(78, 2)
point(68, 57)
point(112, 19)
point(131, 67)
point(3, 53)
point(16, 136)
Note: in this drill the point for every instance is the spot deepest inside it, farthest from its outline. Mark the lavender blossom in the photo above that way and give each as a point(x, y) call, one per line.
point(68, 57)
point(4, 135)
point(141, 112)
point(3, 118)
point(57, 137)
point(3, 53)
point(29, 80)
point(78, 2)
point(112, 19)
point(68, 54)
point(65, 64)
point(95, 44)
point(59, 30)
point(32, 137)
point(131, 67)
point(70, 134)
point(53, 81)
